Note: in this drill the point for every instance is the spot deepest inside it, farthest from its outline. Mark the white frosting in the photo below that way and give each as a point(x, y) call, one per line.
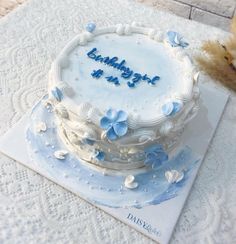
point(86, 99)
point(171, 64)
point(102, 94)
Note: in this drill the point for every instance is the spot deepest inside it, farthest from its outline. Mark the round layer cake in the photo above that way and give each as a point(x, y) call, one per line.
point(122, 95)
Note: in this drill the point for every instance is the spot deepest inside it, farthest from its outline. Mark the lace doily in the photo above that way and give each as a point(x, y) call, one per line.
point(33, 209)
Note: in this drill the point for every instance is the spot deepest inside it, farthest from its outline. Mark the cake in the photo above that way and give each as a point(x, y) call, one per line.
point(112, 126)
point(121, 97)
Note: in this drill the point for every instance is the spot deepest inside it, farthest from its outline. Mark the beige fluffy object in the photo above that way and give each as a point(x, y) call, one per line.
point(8, 5)
point(218, 60)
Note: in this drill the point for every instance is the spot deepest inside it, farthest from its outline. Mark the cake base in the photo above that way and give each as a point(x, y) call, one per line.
point(158, 226)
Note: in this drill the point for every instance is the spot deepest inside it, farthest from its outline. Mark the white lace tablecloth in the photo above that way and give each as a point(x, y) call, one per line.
point(35, 210)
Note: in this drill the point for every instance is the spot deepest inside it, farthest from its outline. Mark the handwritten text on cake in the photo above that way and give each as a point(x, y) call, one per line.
point(126, 73)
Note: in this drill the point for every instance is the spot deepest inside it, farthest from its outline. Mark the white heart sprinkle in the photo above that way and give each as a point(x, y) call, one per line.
point(60, 154)
point(130, 182)
point(174, 176)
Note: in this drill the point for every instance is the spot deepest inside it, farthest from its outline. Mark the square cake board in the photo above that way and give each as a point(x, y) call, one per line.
point(155, 221)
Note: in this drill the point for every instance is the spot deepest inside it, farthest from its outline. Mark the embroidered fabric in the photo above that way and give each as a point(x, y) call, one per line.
point(35, 210)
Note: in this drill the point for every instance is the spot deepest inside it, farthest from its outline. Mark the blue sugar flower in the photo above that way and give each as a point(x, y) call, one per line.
point(57, 93)
point(90, 27)
point(99, 155)
point(176, 40)
point(171, 108)
point(115, 124)
point(155, 155)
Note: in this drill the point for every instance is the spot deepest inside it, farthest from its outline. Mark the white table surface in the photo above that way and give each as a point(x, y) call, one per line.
point(35, 210)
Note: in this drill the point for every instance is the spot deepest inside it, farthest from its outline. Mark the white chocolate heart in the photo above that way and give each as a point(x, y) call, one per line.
point(130, 182)
point(174, 176)
point(60, 154)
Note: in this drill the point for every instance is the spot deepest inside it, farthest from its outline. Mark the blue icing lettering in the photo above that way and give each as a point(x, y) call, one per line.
point(114, 80)
point(131, 84)
point(97, 73)
point(151, 81)
point(123, 68)
point(106, 60)
point(127, 73)
point(120, 66)
point(155, 79)
point(91, 54)
point(145, 77)
point(137, 77)
point(99, 58)
point(112, 61)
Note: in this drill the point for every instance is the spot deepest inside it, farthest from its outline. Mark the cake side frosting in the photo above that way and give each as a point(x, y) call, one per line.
point(137, 122)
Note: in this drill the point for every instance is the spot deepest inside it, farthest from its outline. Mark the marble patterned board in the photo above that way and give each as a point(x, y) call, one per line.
point(156, 221)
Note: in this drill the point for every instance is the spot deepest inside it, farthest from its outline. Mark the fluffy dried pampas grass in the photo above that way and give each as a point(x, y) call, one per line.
point(219, 59)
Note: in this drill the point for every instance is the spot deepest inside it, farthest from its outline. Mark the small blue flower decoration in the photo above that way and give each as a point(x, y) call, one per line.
point(155, 155)
point(171, 108)
point(90, 27)
point(99, 155)
point(115, 124)
point(176, 40)
point(57, 93)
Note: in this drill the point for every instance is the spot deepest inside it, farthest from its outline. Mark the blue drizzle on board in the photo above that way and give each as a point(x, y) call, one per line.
point(92, 185)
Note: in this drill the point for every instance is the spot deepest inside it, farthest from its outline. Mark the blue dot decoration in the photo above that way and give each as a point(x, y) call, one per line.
point(90, 27)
